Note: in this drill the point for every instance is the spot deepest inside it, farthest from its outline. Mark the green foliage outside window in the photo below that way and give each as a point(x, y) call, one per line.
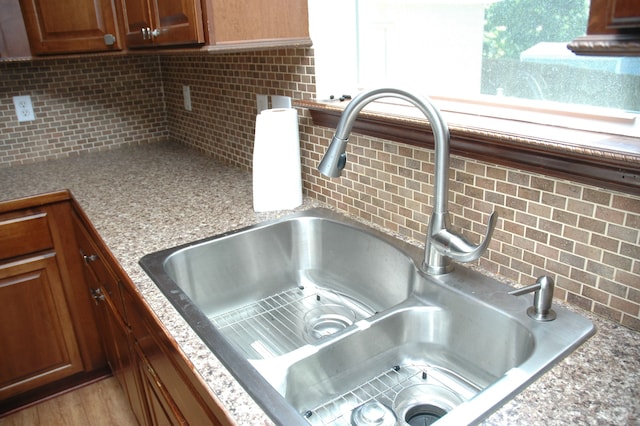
point(513, 26)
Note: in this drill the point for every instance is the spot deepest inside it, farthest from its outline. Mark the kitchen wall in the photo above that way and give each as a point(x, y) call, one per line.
point(81, 105)
point(586, 237)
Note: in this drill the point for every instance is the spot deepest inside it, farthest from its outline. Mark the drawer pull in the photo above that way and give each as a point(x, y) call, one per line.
point(97, 294)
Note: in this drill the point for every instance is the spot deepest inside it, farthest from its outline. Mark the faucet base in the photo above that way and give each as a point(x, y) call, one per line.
point(437, 269)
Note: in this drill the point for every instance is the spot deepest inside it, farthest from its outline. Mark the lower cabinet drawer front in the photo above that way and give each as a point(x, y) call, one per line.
point(24, 233)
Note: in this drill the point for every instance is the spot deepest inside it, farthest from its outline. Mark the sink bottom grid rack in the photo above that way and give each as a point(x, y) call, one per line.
point(387, 388)
point(279, 324)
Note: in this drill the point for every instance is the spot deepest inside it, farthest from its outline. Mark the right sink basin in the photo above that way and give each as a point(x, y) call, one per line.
point(419, 361)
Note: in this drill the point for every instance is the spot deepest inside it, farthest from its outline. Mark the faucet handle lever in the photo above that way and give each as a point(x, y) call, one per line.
point(462, 251)
point(542, 291)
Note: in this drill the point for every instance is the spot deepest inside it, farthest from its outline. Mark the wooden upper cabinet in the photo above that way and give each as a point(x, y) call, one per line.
point(220, 24)
point(242, 21)
point(624, 14)
point(613, 29)
point(162, 22)
point(614, 17)
point(110, 25)
point(76, 26)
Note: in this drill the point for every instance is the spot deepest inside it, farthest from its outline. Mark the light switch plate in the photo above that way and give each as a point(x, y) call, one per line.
point(24, 108)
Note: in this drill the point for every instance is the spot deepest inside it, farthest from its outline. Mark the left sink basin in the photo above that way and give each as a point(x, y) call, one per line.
point(275, 287)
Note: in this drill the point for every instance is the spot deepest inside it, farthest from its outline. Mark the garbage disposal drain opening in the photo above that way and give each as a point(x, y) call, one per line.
point(424, 415)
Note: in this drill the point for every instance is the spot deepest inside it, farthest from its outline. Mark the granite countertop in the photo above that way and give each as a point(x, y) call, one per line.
point(150, 197)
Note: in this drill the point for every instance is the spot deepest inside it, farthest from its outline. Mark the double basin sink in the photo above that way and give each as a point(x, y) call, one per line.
point(326, 321)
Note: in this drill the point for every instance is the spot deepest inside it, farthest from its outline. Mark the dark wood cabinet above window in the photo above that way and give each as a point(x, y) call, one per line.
point(613, 29)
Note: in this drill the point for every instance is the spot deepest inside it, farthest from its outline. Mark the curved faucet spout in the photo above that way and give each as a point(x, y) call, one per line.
point(442, 245)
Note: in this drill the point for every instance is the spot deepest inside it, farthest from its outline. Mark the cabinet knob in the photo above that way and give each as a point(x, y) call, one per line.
point(97, 294)
point(109, 39)
point(89, 258)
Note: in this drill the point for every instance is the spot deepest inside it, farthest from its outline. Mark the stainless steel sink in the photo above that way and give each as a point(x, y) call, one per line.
point(326, 321)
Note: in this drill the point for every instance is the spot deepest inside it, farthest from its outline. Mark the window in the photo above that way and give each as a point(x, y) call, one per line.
point(505, 58)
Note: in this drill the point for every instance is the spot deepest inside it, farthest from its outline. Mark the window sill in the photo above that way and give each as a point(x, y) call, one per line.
point(599, 159)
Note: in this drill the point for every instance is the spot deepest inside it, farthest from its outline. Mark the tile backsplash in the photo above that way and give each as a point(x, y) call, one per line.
point(80, 105)
point(587, 238)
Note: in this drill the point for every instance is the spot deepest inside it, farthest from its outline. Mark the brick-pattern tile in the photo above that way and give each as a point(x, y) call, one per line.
point(81, 105)
point(223, 96)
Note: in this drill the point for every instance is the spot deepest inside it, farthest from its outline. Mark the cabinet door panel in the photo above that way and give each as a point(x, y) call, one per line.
point(162, 408)
point(41, 346)
point(624, 14)
point(136, 18)
point(80, 26)
point(178, 22)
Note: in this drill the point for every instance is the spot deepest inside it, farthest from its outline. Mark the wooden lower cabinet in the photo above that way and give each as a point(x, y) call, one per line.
point(38, 341)
point(162, 408)
point(160, 383)
point(48, 336)
point(69, 313)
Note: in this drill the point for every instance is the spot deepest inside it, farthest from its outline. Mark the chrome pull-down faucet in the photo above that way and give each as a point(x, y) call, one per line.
point(442, 245)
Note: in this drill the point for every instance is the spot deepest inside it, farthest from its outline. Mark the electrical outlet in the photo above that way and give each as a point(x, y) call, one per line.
point(262, 102)
point(24, 108)
point(280, 101)
point(186, 95)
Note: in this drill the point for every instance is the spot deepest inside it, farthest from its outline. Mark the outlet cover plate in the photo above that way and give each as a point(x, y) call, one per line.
point(262, 102)
point(24, 108)
point(186, 95)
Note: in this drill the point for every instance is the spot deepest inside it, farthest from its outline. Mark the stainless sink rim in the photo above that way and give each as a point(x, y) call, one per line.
point(483, 289)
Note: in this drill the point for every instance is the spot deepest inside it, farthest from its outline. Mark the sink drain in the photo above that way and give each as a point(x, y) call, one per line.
point(424, 415)
point(326, 320)
point(423, 405)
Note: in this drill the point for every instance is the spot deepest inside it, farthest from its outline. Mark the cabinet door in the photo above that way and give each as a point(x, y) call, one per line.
point(76, 26)
point(180, 394)
point(178, 22)
point(162, 409)
point(624, 14)
point(37, 337)
point(116, 341)
point(614, 17)
point(137, 18)
point(162, 22)
point(115, 334)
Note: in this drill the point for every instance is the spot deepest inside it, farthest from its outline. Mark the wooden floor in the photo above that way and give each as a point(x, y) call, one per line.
point(101, 403)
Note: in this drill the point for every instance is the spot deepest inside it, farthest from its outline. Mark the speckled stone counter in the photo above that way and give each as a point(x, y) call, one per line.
point(150, 197)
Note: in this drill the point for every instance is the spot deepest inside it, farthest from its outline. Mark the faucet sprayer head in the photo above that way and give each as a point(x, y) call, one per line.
point(335, 159)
